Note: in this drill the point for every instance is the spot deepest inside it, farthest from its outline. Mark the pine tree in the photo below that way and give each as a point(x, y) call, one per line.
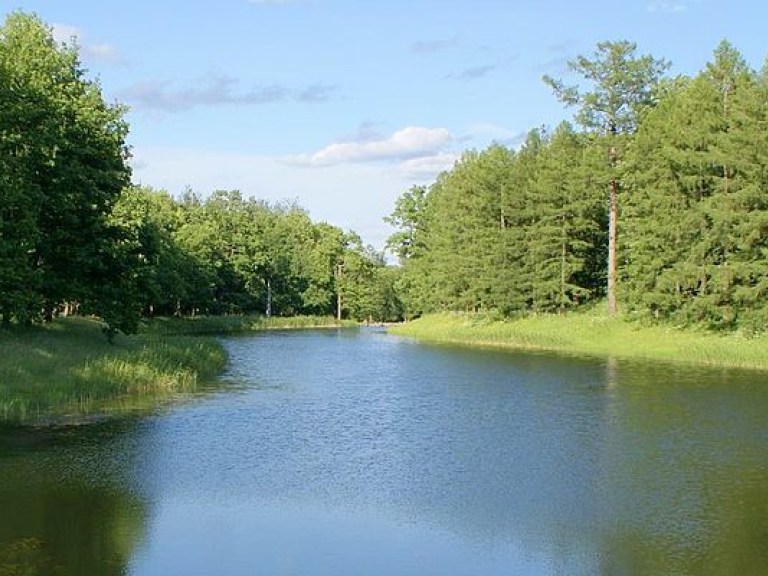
point(622, 86)
point(567, 222)
point(696, 217)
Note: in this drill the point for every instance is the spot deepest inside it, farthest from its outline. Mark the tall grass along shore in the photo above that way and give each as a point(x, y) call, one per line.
point(592, 333)
point(67, 371)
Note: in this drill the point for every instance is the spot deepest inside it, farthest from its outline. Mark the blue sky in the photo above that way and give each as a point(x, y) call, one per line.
point(342, 105)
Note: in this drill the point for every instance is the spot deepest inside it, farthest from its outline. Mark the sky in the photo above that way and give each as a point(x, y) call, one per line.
point(343, 105)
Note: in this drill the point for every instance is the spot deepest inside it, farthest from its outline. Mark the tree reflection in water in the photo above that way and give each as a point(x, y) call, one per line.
point(56, 517)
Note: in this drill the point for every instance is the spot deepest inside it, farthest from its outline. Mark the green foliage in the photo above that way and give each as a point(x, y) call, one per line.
point(454, 261)
point(74, 236)
point(696, 216)
point(505, 231)
point(366, 285)
point(620, 86)
point(684, 230)
point(565, 230)
point(408, 217)
point(62, 159)
point(256, 257)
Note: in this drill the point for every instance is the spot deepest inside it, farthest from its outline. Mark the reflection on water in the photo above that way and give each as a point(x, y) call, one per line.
point(350, 453)
point(63, 512)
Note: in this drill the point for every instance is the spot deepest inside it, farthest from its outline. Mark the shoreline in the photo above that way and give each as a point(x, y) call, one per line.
point(591, 334)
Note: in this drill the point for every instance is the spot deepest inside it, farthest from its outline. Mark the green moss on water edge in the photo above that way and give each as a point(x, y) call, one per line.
point(595, 334)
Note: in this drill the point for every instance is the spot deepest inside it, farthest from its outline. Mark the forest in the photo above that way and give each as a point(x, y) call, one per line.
point(652, 200)
point(655, 203)
point(77, 236)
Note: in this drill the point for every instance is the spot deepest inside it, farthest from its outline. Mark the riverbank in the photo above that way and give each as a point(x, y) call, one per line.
point(592, 333)
point(67, 371)
point(222, 325)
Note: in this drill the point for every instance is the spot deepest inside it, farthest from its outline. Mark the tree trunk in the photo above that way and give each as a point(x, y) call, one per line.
point(48, 313)
point(612, 218)
point(339, 273)
point(268, 311)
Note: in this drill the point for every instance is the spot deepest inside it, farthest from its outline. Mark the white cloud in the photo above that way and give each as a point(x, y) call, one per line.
point(558, 65)
point(217, 90)
point(426, 168)
point(407, 143)
point(94, 51)
point(315, 93)
point(562, 46)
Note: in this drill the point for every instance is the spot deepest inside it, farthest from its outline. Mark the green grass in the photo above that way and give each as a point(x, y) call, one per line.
point(593, 333)
point(222, 325)
point(68, 371)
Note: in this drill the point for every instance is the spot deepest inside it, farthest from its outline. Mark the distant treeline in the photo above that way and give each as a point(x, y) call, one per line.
point(75, 235)
point(675, 169)
point(228, 255)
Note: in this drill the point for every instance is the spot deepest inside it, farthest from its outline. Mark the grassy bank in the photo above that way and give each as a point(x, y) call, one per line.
point(222, 325)
point(68, 371)
point(592, 333)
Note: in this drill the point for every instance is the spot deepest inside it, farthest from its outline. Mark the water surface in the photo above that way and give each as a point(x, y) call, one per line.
point(343, 452)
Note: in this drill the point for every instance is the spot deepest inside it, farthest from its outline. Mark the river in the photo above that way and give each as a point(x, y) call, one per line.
point(360, 453)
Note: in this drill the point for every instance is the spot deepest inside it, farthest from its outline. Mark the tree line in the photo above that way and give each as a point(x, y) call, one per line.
point(76, 235)
point(654, 201)
point(657, 202)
